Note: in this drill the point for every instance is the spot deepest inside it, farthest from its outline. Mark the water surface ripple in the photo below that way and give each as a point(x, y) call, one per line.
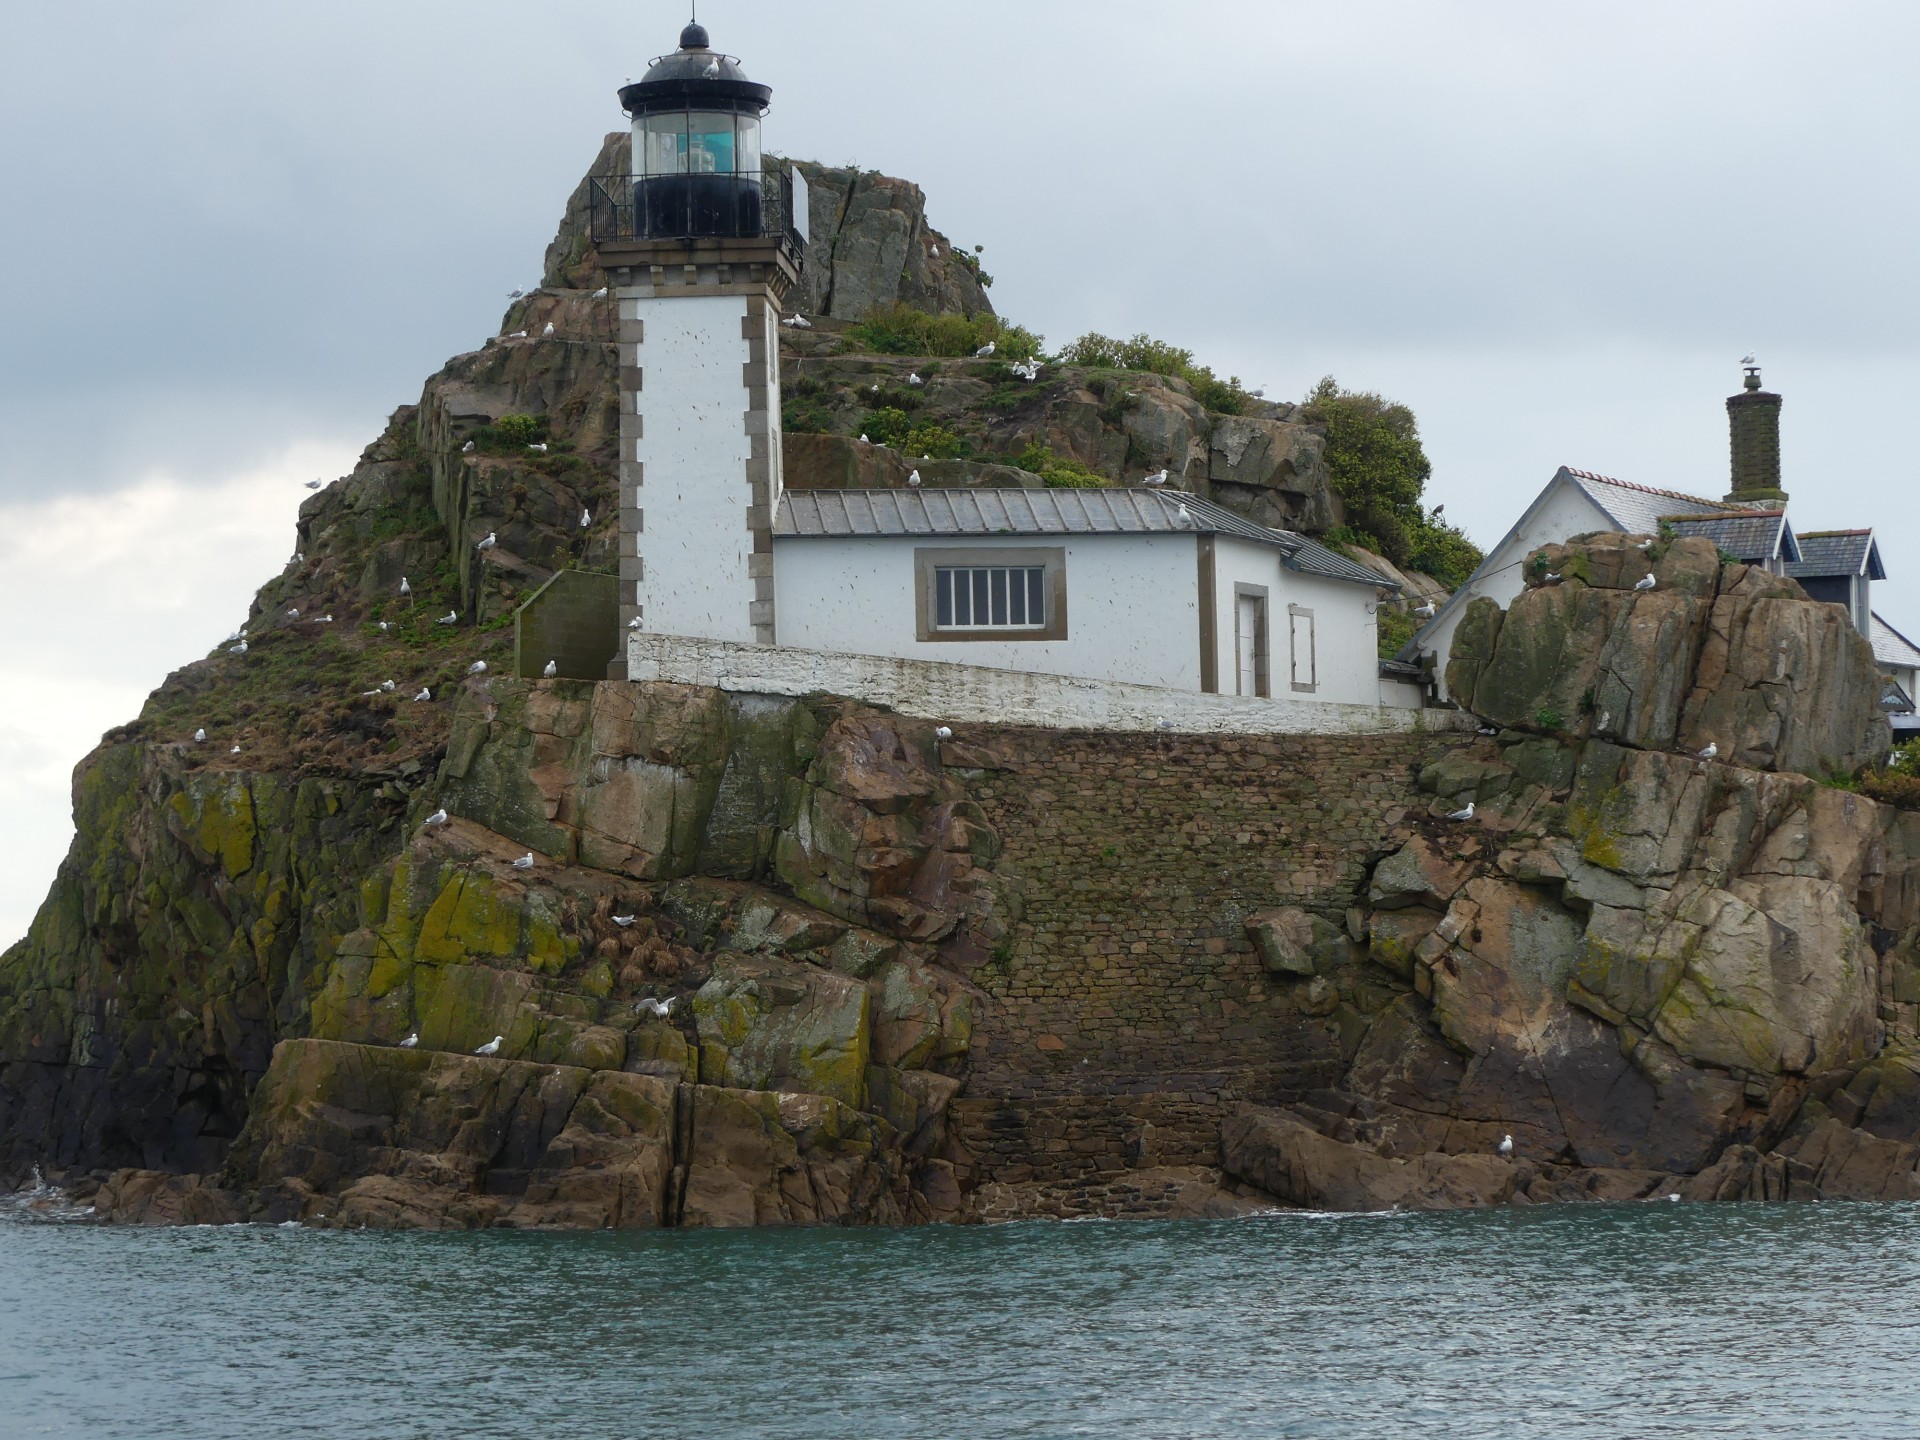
point(1647, 1320)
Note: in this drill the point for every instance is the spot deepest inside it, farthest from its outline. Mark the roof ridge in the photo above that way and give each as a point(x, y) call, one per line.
point(1824, 534)
point(1654, 490)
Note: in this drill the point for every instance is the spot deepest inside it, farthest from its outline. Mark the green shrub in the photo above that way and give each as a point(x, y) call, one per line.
point(1892, 788)
point(806, 415)
point(1396, 627)
point(1156, 357)
point(1906, 760)
point(1058, 473)
point(510, 433)
point(1549, 719)
point(902, 330)
point(893, 426)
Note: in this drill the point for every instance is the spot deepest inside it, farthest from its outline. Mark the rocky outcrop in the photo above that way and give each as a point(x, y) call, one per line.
point(871, 246)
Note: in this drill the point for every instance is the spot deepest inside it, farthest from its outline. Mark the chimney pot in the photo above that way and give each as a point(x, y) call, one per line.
point(1753, 420)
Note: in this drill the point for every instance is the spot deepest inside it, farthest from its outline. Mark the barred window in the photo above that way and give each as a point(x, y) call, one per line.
point(990, 597)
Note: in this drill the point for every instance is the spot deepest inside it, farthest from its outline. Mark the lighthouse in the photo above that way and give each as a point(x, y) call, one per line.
point(700, 246)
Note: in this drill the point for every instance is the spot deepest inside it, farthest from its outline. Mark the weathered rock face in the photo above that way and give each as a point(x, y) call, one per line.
point(871, 245)
point(1712, 653)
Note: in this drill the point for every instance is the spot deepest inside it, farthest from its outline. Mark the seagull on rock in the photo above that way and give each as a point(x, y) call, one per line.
point(1506, 1145)
point(984, 351)
point(384, 627)
point(1645, 582)
point(659, 1008)
point(439, 817)
point(539, 447)
point(452, 617)
point(586, 517)
point(239, 649)
point(234, 751)
point(313, 484)
point(411, 1041)
point(525, 862)
point(865, 441)
point(1713, 749)
point(293, 614)
point(1425, 612)
point(548, 332)
point(425, 694)
point(1551, 578)
point(623, 921)
point(518, 335)
point(944, 732)
point(797, 322)
point(1644, 545)
point(914, 379)
point(601, 293)
point(492, 1047)
point(468, 448)
point(324, 620)
point(386, 687)
point(479, 667)
point(199, 737)
point(488, 543)
point(553, 669)
point(1466, 814)
point(1489, 730)
point(405, 588)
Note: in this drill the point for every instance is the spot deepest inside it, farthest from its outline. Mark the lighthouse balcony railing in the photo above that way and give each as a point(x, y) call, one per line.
point(697, 207)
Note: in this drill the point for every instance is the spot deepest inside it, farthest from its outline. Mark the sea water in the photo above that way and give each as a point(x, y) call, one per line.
point(1639, 1320)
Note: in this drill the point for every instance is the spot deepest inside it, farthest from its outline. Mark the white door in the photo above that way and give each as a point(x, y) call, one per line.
point(1246, 631)
point(1300, 627)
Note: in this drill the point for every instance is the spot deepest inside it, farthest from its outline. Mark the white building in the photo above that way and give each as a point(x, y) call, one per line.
point(1126, 587)
point(1899, 661)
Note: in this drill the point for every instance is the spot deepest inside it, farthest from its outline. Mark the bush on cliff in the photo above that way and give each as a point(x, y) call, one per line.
point(1060, 474)
point(902, 330)
point(1380, 470)
point(1156, 357)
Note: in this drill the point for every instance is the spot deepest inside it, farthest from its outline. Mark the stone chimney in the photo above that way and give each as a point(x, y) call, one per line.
point(1754, 418)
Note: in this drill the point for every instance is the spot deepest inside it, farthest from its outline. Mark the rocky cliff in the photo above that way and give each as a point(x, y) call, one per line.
point(767, 960)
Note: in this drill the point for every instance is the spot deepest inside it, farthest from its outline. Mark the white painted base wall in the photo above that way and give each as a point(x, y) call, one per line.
point(980, 695)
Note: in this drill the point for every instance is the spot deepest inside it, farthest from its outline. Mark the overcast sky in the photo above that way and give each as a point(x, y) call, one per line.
point(235, 236)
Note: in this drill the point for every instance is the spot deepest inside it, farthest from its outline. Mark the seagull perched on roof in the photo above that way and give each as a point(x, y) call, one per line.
point(553, 669)
point(1159, 477)
point(984, 351)
point(425, 694)
point(479, 667)
point(1466, 814)
point(488, 543)
point(492, 1047)
point(411, 1041)
point(943, 732)
point(525, 862)
point(548, 332)
point(1182, 515)
point(600, 294)
point(1645, 582)
point(1506, 1145)
point(439, 817)
point(623, 921)
point(649, 1006)
point(313, 484)
point(1425, 612)
point(914, 479)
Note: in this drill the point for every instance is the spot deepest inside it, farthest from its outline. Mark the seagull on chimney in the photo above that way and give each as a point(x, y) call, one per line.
point(313, 484)
point(914, 480)
point(452, 617)
point(1466, 814)
point(411, 1041)
point(425, 694)
point(525, 862)
point(1749, 359)
point(984, 351)
point(488, 543)
point(1425, 612)
point(492, 1047)
point(479, 667)
point(439, 817)
point(1645, 582)
point(601, 293)
point(553, 669)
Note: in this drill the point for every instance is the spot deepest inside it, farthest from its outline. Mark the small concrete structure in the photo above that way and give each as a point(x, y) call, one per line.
point(573, 621)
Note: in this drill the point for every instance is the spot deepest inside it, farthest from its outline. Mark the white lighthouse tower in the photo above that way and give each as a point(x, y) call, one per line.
point(700, 251)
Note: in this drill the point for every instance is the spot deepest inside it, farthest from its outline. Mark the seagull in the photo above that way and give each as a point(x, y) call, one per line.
point(479, 667)
point(539, 447)
point(1163, 723)
point(712, 72)
point(411, 1041)
point(1438, 510)
point(234, 751)
point(1674, 1199)
point(1606, 720)
point(313, 484)
point(1466, 814)
point(914, 479)
point(586, 518)
point(601, 293)
point(439, 817)
point(984, 351)
point(405, 588)
point(300, 558)
point(515, 294)
point(518, 335)
point(1552, 578)
point(1181, 514)
point(865, 441)
point(525, 862)
point(384, 627)
point(1645, 582)
point(933, 252)
point(797, 322)
point(1749, 359)
point(468, 448)
point(199, 737)
point(1506, 1145)
point(239, 649)
point(649, 1006)
point(1488, 730)
point(492, 1047)
point(1159, 477)
point(425, 694)
point(1425, 612)
point(874, 391)
point(623, 921)
point(914, 379)
point(548, 332)
point(324, 620)
point(634, 623)
point(1713, 749)
point(1644, 545)
point(452, 617)
point(488, 543)
point(553, 669)
point(293, 614)
point(944, 732)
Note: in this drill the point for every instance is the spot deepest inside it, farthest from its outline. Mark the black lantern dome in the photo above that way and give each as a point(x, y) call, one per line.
point(696, 144)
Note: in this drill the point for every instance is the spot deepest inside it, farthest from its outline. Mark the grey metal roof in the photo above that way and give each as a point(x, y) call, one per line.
point(1111, 511)
point(1890, 647)
point(1754, 536)
point(1838, 552)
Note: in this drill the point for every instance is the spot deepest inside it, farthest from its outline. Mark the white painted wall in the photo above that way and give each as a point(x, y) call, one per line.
point(1563, 513)
point(693, 501)
point(1345, 634)
point(1132, 604)
point(975, 694)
